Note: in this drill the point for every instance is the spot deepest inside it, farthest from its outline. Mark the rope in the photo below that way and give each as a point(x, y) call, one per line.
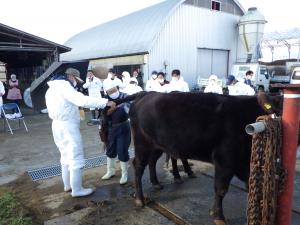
point(267, 175)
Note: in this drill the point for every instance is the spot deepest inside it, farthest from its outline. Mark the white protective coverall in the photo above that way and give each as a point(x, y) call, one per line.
point(178, 85)
point(240, 88)
point(62, 101)
point(94, 87)
point(132, 88)
point(116, 81)
point(2, 92)
point(213, 86)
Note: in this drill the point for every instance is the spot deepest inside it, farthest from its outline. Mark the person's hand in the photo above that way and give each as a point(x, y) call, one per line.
point(111, 104)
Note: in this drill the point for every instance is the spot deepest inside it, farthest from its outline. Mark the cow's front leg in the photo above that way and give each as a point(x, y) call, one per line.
point(139, 171)
point(187, 168)
point(175, 171)
point(223, 177)
point(152, 169)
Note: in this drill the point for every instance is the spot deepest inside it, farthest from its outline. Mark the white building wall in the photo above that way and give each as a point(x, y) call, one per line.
point(188, 29)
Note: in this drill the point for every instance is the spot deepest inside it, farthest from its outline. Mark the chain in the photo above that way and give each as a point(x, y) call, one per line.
point(266, 173)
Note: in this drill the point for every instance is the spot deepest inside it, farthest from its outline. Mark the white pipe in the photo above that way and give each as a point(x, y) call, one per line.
point(255, 128)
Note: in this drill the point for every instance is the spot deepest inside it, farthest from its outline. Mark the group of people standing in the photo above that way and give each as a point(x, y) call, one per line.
point(63, 100)
point(235, 87)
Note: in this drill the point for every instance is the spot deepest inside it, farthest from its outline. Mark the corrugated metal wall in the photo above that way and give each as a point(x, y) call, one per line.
point(188, 29)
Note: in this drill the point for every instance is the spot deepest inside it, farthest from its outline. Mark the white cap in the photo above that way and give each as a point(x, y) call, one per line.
point(213, 77)
point(108, 84)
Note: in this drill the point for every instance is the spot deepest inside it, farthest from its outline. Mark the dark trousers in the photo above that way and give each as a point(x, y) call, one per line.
point(119, 139)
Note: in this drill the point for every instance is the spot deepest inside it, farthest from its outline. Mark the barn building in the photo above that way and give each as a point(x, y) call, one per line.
point(199, 37)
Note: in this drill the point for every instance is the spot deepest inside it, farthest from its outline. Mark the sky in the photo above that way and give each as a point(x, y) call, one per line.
point(58, 20)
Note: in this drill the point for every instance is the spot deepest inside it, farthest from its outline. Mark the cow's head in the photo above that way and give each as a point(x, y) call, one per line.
point(270, 103)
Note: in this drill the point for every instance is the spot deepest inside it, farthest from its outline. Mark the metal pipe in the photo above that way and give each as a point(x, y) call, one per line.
point(290, 125)
point(255, 128)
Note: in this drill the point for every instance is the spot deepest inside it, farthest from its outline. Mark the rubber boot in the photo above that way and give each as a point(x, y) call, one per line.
point(111, 169)
point(76, 184)
point(65, 174)
point(124, 169)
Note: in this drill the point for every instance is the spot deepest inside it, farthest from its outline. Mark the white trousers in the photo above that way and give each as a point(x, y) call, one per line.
point(68, 140)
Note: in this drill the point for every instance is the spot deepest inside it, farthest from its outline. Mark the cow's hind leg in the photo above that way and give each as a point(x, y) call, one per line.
point(175, 171)
point(187, 168)
point(139, 167)
point(223, 177)
point(152, 169)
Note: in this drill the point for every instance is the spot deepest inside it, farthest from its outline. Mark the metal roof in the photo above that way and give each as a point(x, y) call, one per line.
point(128, 35)
point(15, 33)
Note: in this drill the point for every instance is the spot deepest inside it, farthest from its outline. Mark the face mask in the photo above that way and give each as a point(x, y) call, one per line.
point(161, 81)
point(114, 95)
point(74, 83)
point(175, 79)
point(154, 77)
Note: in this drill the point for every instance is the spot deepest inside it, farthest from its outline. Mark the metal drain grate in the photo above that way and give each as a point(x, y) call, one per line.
point(55, 170)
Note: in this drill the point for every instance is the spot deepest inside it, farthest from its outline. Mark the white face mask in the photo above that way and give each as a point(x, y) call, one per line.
point(175, 79)
point(154, 77)
point(74, 83)
point(114, 95)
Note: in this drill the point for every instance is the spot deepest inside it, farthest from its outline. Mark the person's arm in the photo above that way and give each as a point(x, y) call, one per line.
point(87, 84)
point(186, 87)
point(81, 100)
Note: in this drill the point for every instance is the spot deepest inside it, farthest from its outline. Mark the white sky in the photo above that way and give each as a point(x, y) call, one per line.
point(58, 20)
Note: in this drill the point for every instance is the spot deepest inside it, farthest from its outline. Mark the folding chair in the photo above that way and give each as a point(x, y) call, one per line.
point(11, 107)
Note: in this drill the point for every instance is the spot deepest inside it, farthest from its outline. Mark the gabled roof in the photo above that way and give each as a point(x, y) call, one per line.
point(131, 34)
point(128, 35)
point(13, 33)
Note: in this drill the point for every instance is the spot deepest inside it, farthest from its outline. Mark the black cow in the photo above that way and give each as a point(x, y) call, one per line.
point(205, 127)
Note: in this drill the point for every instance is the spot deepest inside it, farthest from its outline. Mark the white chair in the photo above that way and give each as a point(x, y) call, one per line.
point(10, 115)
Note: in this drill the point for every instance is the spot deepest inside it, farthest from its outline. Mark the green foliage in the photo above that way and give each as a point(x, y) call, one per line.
point(11, 212)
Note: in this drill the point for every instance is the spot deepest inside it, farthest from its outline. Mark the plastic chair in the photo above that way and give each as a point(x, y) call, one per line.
point(12, 116)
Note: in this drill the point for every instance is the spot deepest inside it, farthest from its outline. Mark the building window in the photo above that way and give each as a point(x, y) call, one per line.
point(216, 5)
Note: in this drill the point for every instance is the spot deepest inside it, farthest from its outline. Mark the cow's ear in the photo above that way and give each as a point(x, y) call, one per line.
point(270, 104)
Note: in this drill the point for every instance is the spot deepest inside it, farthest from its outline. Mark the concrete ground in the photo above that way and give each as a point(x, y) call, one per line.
point(111, 203)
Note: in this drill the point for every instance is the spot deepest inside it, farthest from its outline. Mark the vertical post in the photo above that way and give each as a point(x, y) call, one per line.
point(290, 124)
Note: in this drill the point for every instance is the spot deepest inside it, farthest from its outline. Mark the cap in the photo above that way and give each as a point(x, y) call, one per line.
point(154, 72)
point(108, 84)
point(230, 79)
point(213, 77)
point(75, 73)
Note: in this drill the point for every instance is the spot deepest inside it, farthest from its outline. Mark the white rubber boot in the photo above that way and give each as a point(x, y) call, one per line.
point(111, 169)
point(76, 184)
point(124, 169)
point(65, 174)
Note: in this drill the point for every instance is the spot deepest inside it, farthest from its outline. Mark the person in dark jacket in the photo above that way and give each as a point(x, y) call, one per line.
point(119, 135)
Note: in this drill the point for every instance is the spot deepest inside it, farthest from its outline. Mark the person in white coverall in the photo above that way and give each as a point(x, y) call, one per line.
point(213, 86)
point(62, 101)
point(112, 78)
point(152, 83)
point(94, 86)
point(236, 87)
point(177, 83)
point(132, 87)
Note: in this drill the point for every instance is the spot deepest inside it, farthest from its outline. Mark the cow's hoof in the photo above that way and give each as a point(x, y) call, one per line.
point(220, 222)
point(178, 180)
point(139, 203)
point(157, 186)
point(192, 175)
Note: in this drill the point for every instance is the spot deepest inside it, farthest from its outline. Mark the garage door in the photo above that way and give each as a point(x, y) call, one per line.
point(212, 61)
